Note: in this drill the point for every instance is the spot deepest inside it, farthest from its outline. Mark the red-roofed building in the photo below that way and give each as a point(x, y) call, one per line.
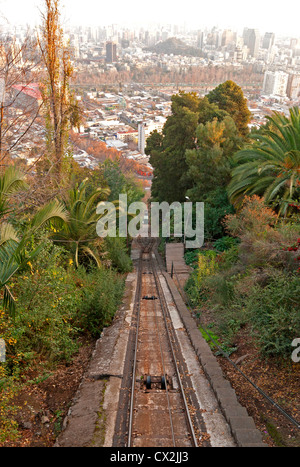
point(27, 95)
point(127, 135)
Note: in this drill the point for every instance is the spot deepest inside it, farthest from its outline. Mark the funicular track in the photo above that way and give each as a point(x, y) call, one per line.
point(156, 405)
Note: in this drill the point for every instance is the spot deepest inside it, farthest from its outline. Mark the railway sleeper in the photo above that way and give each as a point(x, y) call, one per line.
point(150, 297)
point(157, 382)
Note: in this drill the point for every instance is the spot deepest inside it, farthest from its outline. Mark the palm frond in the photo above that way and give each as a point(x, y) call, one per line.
point(9, 302)
point(271, 166)
point(53, 211)
point(7, 233)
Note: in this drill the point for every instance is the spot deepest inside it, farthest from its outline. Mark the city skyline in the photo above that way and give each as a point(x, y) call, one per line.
point(265, 16)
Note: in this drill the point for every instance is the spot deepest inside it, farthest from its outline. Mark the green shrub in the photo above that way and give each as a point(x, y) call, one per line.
point(222, 288)
point(192, 289)
point(225, 243)
point(46, 306)
point(117, 254)
point(102, 291)
point(191, 257)
point(275, 314)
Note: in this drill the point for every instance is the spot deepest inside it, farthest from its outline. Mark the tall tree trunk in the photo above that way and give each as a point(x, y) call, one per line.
point(59, 70)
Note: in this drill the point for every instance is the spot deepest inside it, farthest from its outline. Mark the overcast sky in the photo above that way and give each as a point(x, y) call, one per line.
point(281, 17)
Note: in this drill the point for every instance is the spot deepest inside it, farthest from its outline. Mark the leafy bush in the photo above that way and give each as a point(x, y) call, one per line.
point(207, 265)
point(254, 217)
point(274, 313)
point(217, 207)
point(225, 243)
point(55, 304)
point(102, 293)
point(117, 254)
point(191, 257)
point(46, 305)
point(192, 289)
point(8, 426)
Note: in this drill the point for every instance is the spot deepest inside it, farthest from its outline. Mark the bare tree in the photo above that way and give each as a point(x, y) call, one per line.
point(20, 97)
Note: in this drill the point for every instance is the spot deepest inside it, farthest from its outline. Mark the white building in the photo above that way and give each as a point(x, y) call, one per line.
point(141, 138)
point(293, 86)
point(275, 83)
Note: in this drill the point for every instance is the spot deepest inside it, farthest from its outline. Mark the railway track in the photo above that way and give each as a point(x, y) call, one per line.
point(157, 407)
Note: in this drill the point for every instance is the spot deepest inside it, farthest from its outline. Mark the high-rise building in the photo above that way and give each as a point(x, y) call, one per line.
point(228, 37)
point(141, 138)
point(200, 39)
point(111, 52)
point(239, 54)
point(254, 42)
point(268, 40)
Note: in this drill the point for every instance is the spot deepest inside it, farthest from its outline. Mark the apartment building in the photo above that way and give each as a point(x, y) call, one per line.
point(275, 83)
point(293, 86)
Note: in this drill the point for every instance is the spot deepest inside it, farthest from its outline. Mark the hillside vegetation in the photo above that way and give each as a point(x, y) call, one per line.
point(175, 46)
point(245, 284)
point(60, 283)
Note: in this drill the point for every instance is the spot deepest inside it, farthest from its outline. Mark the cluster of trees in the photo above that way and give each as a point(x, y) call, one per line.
point(56, 189)
point(207, 153)
point(191, 76)
point(193, 155)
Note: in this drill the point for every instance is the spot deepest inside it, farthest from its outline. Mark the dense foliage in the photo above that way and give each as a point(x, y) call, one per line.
point(59, 281)
point(248, 271)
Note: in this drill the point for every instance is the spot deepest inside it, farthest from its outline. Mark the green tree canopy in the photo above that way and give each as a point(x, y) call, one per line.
point(167, 151)
point(209, 110)
point(210, 164)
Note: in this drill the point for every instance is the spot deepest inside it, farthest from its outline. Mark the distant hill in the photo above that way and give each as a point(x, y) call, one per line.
point(175, 46)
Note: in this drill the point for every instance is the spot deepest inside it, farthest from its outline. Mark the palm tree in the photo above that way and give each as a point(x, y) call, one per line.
point(14, 251)
point(11, 182)
point(79, 234)
point(270, 167)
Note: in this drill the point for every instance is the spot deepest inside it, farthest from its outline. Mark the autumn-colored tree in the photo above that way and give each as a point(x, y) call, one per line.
point(254, 217)
point(229, 97)
point(188, 100)
point(60, 104)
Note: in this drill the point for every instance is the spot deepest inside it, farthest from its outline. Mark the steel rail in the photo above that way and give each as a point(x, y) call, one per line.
point(165, 374)
point(165, 315)
point(137, 310)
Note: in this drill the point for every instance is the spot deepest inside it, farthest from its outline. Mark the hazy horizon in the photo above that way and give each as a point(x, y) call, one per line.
point(264, 16)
